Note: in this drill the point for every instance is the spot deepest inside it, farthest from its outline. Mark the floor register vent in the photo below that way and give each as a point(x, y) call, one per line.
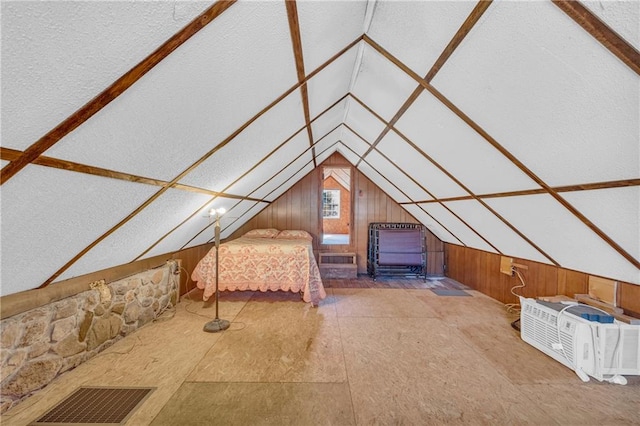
point(96, 406)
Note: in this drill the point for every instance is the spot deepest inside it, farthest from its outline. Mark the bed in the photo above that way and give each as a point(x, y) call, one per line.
point(263, 259)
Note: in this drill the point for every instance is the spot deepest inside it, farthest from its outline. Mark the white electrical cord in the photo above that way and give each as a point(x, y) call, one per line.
point(515, 307)
point(616, 378)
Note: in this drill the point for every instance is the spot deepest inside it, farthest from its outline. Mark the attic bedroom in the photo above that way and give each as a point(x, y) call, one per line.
point(320, 212)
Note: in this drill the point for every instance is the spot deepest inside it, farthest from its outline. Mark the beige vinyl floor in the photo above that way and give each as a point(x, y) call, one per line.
point(365, 356)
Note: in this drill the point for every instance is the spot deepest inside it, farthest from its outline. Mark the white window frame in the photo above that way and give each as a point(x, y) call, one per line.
point(331, 211)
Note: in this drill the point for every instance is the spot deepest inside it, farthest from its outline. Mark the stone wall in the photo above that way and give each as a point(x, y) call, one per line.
point(38, 345)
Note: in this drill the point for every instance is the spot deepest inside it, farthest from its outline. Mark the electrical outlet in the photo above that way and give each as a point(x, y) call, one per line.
point(506, 265)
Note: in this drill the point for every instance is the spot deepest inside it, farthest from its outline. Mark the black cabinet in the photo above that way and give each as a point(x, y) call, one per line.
point(397, 249)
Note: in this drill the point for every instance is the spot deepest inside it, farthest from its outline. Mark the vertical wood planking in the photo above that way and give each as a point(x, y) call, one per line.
point(480, 270)
point(299, 208)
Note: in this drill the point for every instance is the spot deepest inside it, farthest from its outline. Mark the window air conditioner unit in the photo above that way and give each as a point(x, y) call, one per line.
point(583, 338)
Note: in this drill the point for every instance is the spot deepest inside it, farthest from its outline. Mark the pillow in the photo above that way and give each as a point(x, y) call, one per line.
point(262, 233)
point(295, 235)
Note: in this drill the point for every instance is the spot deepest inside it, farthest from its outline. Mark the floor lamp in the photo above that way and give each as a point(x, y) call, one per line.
point(217, 324)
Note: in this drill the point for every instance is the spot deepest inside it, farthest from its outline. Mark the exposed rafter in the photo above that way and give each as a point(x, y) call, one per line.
point(471, 195)
point(245, 174)
point(419, 185)
point(462, 32)
point(446, 102)
point(296, 41)
point(194, 165)
point(601, 32)
point(568, 188)
point(11, 154)
point(363, 160)
point(114, 90)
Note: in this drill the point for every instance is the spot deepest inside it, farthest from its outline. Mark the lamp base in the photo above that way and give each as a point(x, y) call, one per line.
point(216, 325)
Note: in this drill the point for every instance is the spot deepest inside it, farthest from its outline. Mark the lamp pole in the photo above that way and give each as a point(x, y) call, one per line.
point(217, 324)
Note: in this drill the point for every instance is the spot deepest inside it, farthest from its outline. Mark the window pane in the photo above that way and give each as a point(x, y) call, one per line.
point(331, 204)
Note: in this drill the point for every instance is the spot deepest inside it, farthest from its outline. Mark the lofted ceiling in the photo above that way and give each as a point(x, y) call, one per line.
point(509, 127)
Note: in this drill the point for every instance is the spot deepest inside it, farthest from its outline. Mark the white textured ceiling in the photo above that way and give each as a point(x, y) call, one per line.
point(527, 101)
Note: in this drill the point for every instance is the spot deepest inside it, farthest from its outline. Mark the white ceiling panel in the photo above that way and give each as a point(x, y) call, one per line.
point(352, 141)
point(174, 114)
point(615, 211)
point(326, 142)
point(347, 153)
point(381, 85)
point(250, 146)
point(272, 165)
point(457, 227)
point(363, 122)
point(549, 92)
point(48, 68)
point(326, 27)
point(3, 163)
point(382, 183)
point(332, 83)
point(54, 215)
point(621, 16)
point(323, 154)
point(563, 236)
point(438, 230)
point(416, 165)
point(140, 233)
point(400, 177)
point(417, 32)
point(239, 215)
point(190, 228)
point(459, 149)
point(290, 182)
point(267, 189)
point(328, 121)
point(491, 227)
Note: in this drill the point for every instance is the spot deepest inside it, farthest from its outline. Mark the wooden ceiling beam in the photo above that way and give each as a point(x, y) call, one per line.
point(114, 90)
point(453, 108)
point(601, 32)
point(472, 196)
point(194, 165)
point(273, 151)
point(298, 171)
point(9, 154)
point(624, 183)
point(403, 193)
point(296, 41)
point(462, 32)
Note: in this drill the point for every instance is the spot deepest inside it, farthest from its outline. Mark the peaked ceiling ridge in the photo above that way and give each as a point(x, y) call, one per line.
point(475, 15)
point(42, 160)
point(579, 215)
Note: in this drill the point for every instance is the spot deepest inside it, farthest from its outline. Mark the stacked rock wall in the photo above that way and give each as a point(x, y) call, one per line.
point(38, 345)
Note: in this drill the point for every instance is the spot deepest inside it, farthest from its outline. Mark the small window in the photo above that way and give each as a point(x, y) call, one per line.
point(331, 204)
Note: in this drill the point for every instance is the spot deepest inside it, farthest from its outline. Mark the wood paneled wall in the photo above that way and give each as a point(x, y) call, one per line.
point(481, 271)
point(190, 258)
point(299, 208)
